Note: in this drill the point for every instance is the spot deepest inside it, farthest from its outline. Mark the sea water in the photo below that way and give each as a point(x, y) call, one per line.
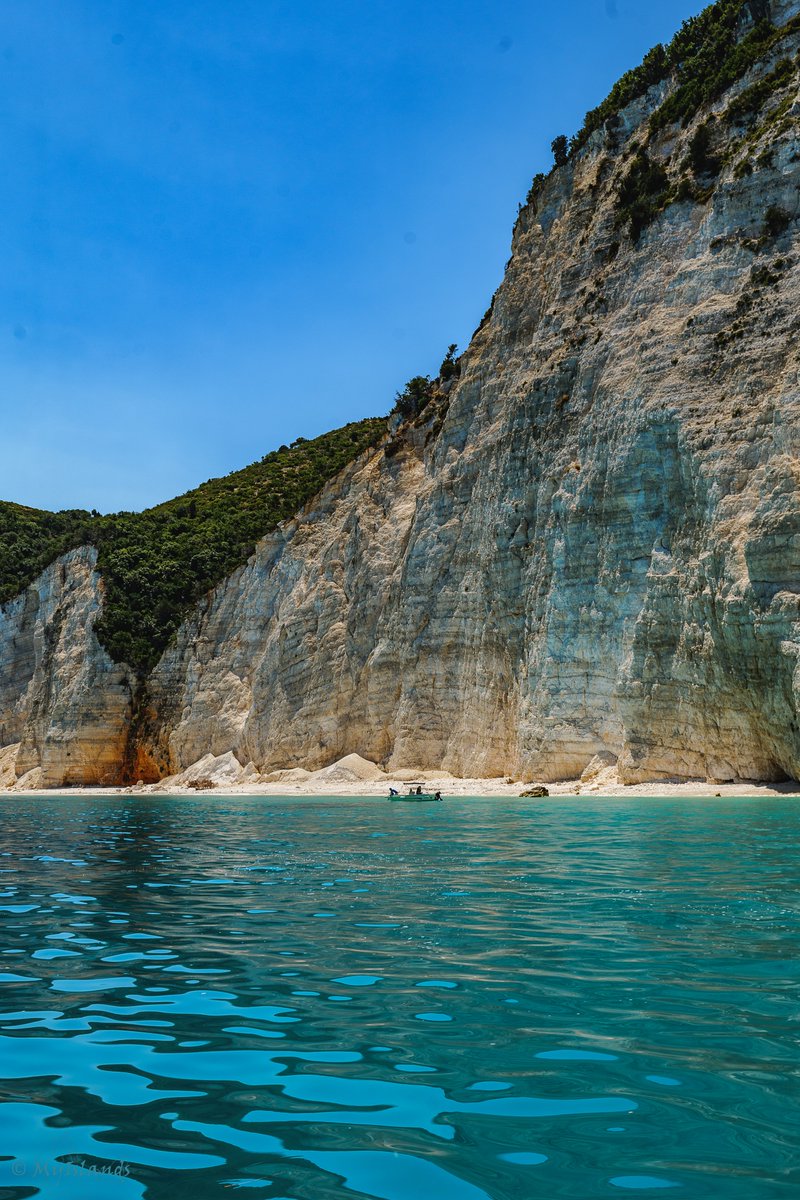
point(314, 998)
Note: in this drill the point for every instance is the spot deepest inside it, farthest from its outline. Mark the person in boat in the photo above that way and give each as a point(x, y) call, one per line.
point(419, 791)
point(411, 792)
point(393, 792)
point(438, 796)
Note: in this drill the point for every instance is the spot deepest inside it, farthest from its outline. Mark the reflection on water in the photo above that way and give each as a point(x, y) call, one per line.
point(311, 999)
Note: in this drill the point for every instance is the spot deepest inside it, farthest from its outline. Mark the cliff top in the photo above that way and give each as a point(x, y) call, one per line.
point(158, 563)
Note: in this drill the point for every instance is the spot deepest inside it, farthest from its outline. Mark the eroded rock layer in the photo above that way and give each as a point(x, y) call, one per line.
point(590, 545)
point(64, 704)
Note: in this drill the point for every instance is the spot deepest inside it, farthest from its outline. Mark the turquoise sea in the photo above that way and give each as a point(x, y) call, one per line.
point(319, 998)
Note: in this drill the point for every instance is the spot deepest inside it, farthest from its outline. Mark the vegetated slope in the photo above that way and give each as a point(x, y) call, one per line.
point(156, 564)
point(31, 538)
point(707, 56)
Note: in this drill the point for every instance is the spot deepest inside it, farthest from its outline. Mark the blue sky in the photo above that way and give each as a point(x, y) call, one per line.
point(227, 223)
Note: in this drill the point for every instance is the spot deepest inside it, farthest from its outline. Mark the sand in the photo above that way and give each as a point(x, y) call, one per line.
point(449, 787)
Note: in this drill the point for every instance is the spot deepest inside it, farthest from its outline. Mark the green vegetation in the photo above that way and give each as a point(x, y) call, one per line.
point(538, 182)
point(700, 159)
point(31, 539)
point(776, 221)
point(560, 147)
point(417, 393)
point(642, 194)
point(775, 121)
point(761, 276)
point(704, 59)
point(450, 368)
point(753, 99)
point(633, 84)
point(707, 59)
point(157, 564)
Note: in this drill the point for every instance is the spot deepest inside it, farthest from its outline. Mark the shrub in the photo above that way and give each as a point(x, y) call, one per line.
point(776, 221)
point(700, 159)
point(31, 539)
point(707, 59)
point(642, 193)
point(537, 184)
point(685, 191)
point(630, 87)
point(450, 368)
point(414, 396)
point(753, 99)
point(560, 147)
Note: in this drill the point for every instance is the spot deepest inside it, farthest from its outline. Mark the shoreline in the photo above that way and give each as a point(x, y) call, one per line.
point(451, 789)
point(356, 777)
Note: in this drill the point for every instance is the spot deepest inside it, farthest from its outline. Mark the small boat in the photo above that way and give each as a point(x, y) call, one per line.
point(416, 795)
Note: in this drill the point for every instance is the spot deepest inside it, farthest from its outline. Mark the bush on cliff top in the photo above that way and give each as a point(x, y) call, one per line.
point(704, 58)
point(633, 85)
point(31, 539)
point(415, 396)
point(707, 60)
point(157, 564)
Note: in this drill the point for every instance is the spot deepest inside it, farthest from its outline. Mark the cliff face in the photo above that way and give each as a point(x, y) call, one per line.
point(592, 543)
point(64, 705)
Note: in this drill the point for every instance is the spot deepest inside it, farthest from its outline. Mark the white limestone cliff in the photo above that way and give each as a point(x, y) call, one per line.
point(591, 547)
point(63, 703)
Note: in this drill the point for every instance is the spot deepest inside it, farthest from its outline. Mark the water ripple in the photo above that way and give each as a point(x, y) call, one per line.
point(323, 998)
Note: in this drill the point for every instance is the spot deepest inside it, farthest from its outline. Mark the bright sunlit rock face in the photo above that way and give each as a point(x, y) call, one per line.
point(62, 699)
point(590, 548)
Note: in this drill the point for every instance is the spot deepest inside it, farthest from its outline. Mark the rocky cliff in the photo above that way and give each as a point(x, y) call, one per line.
point(65, 707)
point(589, 542)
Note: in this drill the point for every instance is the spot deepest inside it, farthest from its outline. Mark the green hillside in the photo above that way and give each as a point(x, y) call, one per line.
point(158, 563)
point(708, 54)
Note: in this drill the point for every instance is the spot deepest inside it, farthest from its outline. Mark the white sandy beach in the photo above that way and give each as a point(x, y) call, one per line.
point(354, 776)
point(451, 788)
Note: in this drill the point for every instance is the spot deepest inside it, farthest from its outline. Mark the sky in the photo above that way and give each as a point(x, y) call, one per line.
point(229, 223)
